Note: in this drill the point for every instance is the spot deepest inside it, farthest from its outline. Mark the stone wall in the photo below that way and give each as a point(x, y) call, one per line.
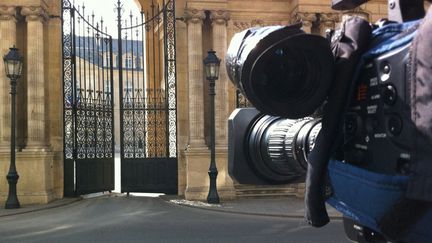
point(34, 26)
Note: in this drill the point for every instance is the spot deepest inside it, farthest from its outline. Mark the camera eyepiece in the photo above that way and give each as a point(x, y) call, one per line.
point(281, 70)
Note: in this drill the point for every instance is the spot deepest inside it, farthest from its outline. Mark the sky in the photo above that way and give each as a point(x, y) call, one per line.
point(107, 10)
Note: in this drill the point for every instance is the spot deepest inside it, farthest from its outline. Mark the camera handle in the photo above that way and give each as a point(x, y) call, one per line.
point(405, 10)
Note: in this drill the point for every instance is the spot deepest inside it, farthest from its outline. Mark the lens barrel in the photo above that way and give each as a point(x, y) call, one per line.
point(278, 148)
point(281, 70)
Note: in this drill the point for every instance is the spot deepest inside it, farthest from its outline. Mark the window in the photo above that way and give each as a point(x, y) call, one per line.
point(138, 63)
point(128, 62)
point(107, 60)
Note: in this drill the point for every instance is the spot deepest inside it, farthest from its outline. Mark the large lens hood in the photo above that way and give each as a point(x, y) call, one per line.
point(280, 69)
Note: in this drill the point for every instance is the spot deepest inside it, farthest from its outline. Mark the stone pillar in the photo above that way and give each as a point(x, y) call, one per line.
point(197, 154)
point(328, 21)
point(195, 19)
point(307, 20)
point(8, 39)
point(225, 184)
point(219, 20)
point(35, 164)
point(36, 121)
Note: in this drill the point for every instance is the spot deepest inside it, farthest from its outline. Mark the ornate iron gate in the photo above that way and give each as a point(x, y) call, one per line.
point(148, 109)
point(88, 103)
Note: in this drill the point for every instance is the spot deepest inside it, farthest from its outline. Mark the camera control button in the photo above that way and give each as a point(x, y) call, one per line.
point(389, 95)
point(353, 124)
point(385, 71)
point(403, 166)
point(372, 123)
point(394, 125)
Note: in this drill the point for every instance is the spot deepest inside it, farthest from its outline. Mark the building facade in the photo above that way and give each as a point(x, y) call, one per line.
point(35, 27)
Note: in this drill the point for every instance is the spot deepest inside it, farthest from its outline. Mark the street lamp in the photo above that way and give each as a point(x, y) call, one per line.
point(13, 62)
point(212, 63)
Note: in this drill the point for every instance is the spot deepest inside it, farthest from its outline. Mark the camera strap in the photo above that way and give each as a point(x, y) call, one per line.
point(349, 43)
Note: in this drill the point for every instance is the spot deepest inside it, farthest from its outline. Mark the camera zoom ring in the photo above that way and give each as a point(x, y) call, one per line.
point(275, 148)
point(313, 135)
point(291, 135)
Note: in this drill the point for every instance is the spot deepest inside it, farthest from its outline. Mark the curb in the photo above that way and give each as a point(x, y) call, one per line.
point(35, 208)
point(220, 208)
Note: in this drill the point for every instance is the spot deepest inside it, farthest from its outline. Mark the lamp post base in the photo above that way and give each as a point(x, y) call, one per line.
point(213, 196)
point(12, 203)
point(12, 200)
point(213, 199)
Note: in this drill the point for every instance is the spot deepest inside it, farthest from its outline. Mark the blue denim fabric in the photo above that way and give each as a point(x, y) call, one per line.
point(366, 196)
point(387, 38)
point(363, 195)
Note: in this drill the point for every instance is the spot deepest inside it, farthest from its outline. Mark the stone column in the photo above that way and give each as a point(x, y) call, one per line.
point(225, 185)
point(219, 20)
point(195, 19)
point(36, 121)
point(328, 21)
point(8, 39)
point(307, 19)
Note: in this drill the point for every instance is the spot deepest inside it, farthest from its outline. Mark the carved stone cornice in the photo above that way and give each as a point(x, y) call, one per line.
point(242, 25)
point(329, 20)
point(307, 17)
point(8, 13)
point(358, 12)
point(220, 17)
point(330, 17)
point(34, 13)
point(194, 16)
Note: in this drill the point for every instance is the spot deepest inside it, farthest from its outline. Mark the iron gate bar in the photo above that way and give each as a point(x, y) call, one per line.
point(172, 75)
point(165, 17)
point(68, 68)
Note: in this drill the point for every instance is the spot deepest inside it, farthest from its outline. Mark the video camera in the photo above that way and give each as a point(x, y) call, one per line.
point(351, 112)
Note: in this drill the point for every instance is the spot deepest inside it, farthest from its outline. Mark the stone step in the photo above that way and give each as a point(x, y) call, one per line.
point(258, 191)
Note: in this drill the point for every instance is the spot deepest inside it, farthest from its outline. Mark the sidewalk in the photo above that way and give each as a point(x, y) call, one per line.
point(37, 207)
point(291, 207)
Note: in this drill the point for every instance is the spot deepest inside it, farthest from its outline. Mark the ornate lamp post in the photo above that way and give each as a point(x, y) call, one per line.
point(13, 62)
point(212, 63)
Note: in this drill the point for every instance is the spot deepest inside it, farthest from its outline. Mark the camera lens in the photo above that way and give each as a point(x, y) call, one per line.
point(281, 70)
point(278, 148)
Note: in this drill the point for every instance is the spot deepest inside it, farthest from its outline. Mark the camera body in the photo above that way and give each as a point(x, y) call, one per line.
point(377, 126)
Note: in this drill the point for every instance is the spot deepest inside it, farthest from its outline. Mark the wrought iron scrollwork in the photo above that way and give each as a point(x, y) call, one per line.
point(148, 109)
point(87, 82)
